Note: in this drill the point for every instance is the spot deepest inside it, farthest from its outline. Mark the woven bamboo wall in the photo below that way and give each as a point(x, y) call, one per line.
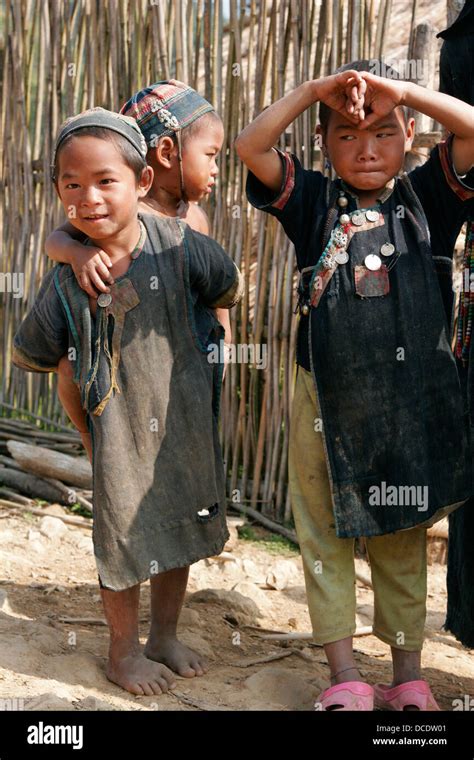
point(61, 57)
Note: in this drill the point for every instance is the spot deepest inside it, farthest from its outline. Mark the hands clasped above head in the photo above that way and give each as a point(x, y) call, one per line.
point(362, 97)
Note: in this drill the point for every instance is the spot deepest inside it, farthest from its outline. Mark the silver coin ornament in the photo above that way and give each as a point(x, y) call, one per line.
point(105, 299)
point(373, 262)
point(388, 249)
point(372, 216)
point(357, 219)
point(342, 257)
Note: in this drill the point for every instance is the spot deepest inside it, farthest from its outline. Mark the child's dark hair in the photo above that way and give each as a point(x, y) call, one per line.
point(374, 66)
point(131, 157)
point(204, 121)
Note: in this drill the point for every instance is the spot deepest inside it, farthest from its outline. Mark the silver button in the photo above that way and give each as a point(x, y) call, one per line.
point(105, 299)
point(387, 249)
point(373, 262)
point(342, 257)
point(357, 219)
point(344, 218)
point(372, 216)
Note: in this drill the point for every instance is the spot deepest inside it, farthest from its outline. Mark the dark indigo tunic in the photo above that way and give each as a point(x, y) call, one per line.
point(386, 420)
point(151, 397)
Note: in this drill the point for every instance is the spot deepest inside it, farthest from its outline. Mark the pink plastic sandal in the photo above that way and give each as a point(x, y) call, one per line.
point(350, 695)
point(412, 693)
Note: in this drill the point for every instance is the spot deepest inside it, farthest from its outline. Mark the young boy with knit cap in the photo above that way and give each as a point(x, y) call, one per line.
point(145, 385)
point(183, 135)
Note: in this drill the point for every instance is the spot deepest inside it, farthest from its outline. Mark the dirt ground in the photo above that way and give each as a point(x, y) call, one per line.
point(50, 662)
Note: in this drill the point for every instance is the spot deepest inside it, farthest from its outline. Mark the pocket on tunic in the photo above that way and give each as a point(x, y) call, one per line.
point(369, 284)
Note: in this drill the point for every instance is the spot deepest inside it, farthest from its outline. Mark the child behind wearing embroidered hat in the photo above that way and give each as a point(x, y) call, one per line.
point(378, 441)
point(141, 369)
point(184, 135)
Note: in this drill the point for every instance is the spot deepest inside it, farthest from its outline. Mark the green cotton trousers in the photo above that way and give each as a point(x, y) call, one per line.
point(397, 560)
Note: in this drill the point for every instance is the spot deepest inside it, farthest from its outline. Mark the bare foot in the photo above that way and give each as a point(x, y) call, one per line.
point(137, 674)
point(176, 655)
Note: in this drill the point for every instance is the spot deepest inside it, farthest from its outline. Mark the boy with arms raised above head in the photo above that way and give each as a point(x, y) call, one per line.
point(378, 443)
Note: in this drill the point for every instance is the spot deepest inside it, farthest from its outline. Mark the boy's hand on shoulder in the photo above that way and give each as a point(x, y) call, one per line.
point(91, 268)
point(381, 96)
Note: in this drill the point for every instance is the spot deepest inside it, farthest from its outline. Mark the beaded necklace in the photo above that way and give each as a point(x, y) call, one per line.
point(466, 305)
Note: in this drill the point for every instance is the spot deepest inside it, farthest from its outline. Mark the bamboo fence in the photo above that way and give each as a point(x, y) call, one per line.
point(59, 57)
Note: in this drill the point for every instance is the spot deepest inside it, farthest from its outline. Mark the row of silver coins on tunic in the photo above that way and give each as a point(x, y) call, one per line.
point(359, 217)
point(372, 261)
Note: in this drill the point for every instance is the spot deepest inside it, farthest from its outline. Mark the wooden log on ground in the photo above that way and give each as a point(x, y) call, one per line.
point(5, 493)
point(265, 521)
point(74, 471)
point(364, 630)
point(27, 429)
point(72, 449)
point(9, 462)
point(78, 521)
point(70, 494)
point(30, 485)
point(27, 413)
